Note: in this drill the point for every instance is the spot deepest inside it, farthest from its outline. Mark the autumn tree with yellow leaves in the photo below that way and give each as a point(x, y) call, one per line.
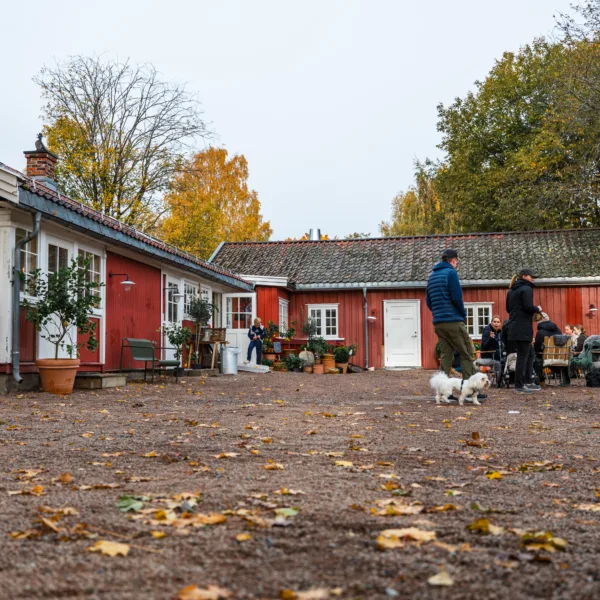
point(210, 202)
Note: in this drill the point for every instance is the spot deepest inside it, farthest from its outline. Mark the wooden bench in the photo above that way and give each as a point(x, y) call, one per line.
point(145, 351)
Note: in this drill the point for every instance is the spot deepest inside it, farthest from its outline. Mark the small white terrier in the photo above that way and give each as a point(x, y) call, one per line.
point(443, 386)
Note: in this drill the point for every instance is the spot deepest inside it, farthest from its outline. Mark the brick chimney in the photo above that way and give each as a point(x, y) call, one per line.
point(41, 163)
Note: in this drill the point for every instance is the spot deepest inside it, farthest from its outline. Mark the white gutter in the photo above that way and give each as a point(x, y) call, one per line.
point(266, 280)
point(562, 281)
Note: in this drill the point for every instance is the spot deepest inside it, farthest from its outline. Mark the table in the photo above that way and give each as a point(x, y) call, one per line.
point(192, 347)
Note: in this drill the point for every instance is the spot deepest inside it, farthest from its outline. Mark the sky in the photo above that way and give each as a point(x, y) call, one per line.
point(330, 101)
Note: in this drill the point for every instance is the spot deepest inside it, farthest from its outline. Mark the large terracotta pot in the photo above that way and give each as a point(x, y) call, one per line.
point(57, 374)
point(343, 367)
point(270, 356)
point(318, 369)
point(308, 368)
point(328, 362)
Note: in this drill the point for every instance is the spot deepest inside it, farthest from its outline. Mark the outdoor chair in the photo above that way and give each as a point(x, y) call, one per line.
point(145, 351)
point(557, 359)
point(487, 361)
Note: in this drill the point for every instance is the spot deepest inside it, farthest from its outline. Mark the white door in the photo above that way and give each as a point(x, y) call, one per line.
point(239, 311)
point(402, 333)
point(58, 254)
point(173, 310)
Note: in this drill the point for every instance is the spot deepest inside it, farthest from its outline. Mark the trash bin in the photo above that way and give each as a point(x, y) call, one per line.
point(230, 360)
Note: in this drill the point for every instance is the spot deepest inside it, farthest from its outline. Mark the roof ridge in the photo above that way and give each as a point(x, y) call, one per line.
point(419, 237)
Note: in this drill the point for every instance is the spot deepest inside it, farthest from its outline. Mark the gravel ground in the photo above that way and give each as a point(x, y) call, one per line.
point(270, 486)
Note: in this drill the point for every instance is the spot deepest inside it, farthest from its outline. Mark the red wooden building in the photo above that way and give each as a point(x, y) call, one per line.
point(372, 291)
point(164, 277)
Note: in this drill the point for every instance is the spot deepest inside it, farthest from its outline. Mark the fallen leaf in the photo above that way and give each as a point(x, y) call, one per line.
point(158, 534)
point(494, 475)
point(65, 478)
point(395, 538)
point(227, 455)
point(484, 526)
point(243, 537)
point(150, 454)
point(212, 592)
point(442, 578)
point(110, 548)
point(343, 463)
point(273, 466)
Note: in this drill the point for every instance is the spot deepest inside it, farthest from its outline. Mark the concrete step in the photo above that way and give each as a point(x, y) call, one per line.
point(100, 381)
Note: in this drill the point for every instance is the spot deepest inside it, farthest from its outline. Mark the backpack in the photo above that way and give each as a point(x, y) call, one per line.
point(592, 379)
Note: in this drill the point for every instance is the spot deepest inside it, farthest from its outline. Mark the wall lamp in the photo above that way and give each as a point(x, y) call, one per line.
point(372, 316)
point(592, 311)
point(126, 284)
point(176, 294)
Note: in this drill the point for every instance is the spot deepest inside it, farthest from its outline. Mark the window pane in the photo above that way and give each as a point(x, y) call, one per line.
point(246, 305)
point(235, 304)
point(52, 258)
point(63, 258)
point(470, 319)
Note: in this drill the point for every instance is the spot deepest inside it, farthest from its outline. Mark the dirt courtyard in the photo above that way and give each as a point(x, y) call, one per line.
point(287, 486)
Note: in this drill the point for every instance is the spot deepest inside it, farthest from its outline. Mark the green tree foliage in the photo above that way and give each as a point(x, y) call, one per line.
point(522, 150)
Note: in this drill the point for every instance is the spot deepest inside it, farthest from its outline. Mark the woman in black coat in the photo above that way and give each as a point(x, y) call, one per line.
point(491, 338)
point(520, 307)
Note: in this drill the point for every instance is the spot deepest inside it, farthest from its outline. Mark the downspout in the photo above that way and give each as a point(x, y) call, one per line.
point(366, 329)
point(16, 299)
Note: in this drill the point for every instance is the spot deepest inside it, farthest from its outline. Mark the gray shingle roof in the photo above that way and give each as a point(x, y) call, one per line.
point(484, 257)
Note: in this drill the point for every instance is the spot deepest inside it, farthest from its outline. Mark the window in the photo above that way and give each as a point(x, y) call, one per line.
point(283, 315)
point(58, 258)
point(189, 290)
point(478, 316)
point(238, 312)
point(207, 296)
point(325, 316)
point(94, 269)
point(29, 256)
point(172, 302)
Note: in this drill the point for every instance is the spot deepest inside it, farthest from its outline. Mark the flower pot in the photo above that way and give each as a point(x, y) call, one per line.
point(343, 367)
point(308, 369)
point(270, 356)
point(328, 362)
point(57, 374)
point(318, 369)
point(296, 370)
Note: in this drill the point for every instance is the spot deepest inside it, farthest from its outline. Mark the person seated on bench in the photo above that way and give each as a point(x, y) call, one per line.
point(545, 328)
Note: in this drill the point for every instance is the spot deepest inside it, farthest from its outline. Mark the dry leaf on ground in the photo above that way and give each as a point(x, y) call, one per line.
point(442, 578)
point(110, 548)
point(212, 592)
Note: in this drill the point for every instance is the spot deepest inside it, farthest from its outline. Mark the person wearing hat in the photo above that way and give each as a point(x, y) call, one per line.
point(520, 307)
point(445, 300)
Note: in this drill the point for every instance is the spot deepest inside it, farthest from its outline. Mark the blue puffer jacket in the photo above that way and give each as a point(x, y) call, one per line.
point(444, 295)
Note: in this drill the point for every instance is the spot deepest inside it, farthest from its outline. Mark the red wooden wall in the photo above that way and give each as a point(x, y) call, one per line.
point(90, 360)
point(563, 305)
point(27, 340)
point(133, 314)
point(267, 304)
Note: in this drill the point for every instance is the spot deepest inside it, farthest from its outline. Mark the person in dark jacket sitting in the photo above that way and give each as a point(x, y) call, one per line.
point(520, 307)
point(546, 328)
point(491, 338)
point(579, 331)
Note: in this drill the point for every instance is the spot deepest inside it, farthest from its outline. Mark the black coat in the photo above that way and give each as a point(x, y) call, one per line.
point(520, 307)
point(579, 346)
point(489, 344)
point(545, 329)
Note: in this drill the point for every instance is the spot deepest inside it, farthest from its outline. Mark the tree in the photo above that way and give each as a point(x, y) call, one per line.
point(419, 210)
point(305, 237)
point(210, 202)
point(120, 132)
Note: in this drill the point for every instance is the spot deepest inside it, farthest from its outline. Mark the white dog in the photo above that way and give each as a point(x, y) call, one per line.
point(443, 386)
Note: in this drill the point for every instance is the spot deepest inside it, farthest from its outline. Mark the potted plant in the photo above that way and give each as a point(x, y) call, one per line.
point(267, 363)
point(200, 311)
point(194, 363)
point(280, 366)
point(328, 358)
point(61, 311)
point(271, 333)
point(294, 363)
point(177, 336)
point(342, 356)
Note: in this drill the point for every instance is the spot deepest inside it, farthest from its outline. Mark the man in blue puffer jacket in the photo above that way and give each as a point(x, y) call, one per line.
point(445, 301)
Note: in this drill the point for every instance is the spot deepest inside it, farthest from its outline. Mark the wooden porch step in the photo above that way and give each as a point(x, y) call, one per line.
point(99, 381)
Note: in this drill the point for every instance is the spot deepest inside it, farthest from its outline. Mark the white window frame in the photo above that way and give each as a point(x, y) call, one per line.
point(206, 293)
point(190, 289)
point(475, 306)
point(323, 308)
point(24, 267)
point(284, 315)
point(98, 311)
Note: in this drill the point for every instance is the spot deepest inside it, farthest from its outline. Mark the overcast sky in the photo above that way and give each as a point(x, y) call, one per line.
point(331, 101)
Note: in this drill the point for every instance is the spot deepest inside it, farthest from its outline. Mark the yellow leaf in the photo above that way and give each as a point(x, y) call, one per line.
point(150, 454)
point(212, 592)
point(110, 548)
point(494, 475)
point(343, 463)
point(243, 537)
point(158, 534)
point(394, 538)
point(442, 578)
point(227, 455)
point(273, 466)
point(65, 478)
